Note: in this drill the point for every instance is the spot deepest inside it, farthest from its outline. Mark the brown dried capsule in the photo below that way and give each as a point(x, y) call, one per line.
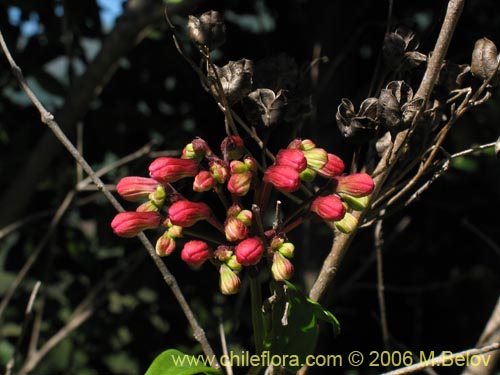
point(399, 50)
point(208, 30)
point(485, 60)
point(357, 127)
point(265, 107)
point(236, 79)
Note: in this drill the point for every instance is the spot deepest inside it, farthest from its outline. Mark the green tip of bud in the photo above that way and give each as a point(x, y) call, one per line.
point(307, 175)
point(347, 224)
point(357, 204)
point(287, 249)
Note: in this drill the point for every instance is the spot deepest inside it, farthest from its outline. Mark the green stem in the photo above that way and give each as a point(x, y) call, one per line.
point(257, 323)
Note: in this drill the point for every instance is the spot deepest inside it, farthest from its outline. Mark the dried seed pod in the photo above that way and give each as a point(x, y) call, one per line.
point(236, 79)
point(396, 106)
point(485, 60)
point(357, 127)
point(399, 50)
point(265, 107)
point(208, 30)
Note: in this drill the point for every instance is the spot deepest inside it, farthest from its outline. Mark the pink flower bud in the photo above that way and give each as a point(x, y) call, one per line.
point(292, 158)
point(195, 253)
point(165, 245)
point(186, 213)
point(282, 177)
point(234, 210)
point(282, 268)
point(167, 169)
point(229, 280)
point(328, 208)
point(136, 188)
point(307, 145)
point(357, 184)
point(232, 263)
point(249, 251)
point(235, 229)
point(174, 231)
point(316, 158)
point(147, 207)
point(237, 166)
point(200, 147)
point(203, 181)
point(196, 150)
point(219, 171)
point(240, 183)
point(333, 167)
point(246, 217)
point(251, 163)
point(130, 224)
point(223, 253)
point(157, 197)
point(287, 249)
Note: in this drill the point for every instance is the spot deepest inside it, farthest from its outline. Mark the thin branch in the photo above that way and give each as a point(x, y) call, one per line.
point(491, 333)
point(384, 167)
point(379, 241)
point(48, 119)
point(439, 360)
point(27, 315)
point(34, 256)
point(225, 352)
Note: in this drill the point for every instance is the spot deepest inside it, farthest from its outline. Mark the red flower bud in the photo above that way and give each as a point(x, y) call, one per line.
point(357, 184)
point(316, 158)
point(249, 251)
point(195, 253)
point(229, 280)
point(235, 229)
point(223, 253)
point(165, 245)
point(130, 224)
point(333, 167)
point(251, 163)
point(283, 178)
point(166, 169)
point(328, 208)
point(239, 183)
point(203, 181)
point(246, 217)
point(282, 268)
point(136, 188)
point(293, 158)
point(237, 166)
point(219, 171)
point(186, 213)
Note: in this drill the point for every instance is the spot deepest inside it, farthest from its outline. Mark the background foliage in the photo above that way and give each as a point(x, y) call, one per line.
point(441, 257)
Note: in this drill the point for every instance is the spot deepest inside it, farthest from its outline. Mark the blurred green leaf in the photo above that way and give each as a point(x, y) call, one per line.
point(465, 164)
point(174, 362)
point(294, 329)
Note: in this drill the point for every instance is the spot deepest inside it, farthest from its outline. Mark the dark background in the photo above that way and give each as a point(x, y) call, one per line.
point(441, 273)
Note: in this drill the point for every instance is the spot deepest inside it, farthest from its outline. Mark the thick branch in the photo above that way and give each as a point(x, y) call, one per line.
point(342, 241)
point(48, 119)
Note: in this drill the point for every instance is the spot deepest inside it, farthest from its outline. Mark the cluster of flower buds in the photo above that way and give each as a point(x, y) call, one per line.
point(240, 241)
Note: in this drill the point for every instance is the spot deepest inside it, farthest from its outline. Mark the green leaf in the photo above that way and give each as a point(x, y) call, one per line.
point(293, 329)
point(174, 362)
